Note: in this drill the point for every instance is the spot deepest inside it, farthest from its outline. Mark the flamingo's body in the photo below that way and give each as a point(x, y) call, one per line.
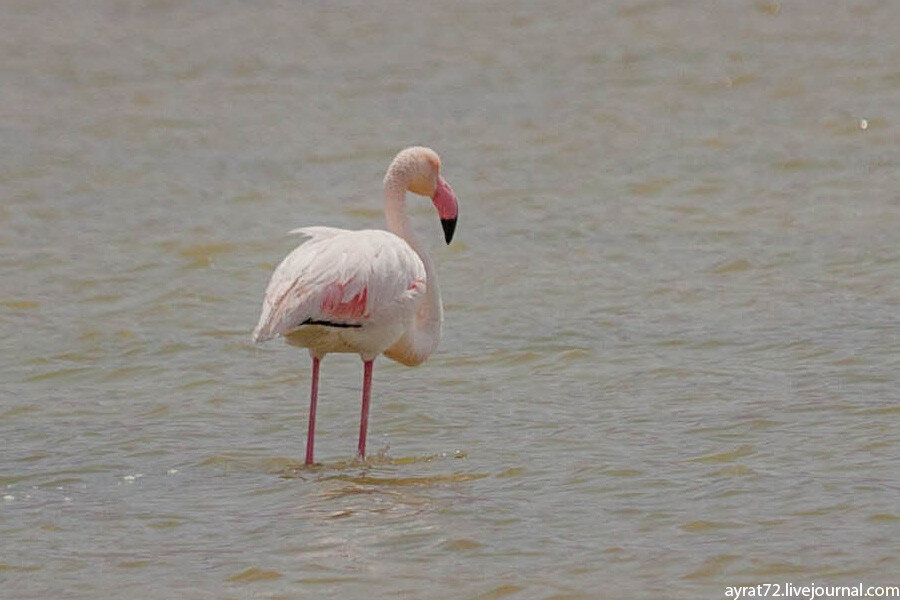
point(344, 291)
point(364, 292)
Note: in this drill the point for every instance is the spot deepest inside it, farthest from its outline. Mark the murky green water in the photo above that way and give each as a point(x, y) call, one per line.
point(672, 314)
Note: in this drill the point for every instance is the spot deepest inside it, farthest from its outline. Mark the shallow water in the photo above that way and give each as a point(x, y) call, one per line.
point(672, 311)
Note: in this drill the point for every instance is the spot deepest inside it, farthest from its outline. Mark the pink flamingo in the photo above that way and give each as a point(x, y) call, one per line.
point(364, 292)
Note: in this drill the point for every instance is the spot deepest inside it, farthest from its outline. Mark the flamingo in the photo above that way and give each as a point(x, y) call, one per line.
point(364, 292)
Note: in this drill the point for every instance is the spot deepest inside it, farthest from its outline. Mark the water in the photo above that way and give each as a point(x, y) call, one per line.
point(670, 352)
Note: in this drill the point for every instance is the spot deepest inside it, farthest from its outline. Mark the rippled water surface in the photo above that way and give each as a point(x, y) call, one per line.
point(672, 313)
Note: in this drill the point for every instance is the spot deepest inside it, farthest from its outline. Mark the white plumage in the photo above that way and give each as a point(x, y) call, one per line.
point(365, 283)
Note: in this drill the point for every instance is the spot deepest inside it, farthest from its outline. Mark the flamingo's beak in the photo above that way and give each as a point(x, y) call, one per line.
point(449, 226)
point(445, 202)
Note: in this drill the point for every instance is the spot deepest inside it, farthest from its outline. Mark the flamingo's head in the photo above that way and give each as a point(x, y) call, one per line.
point(421, 167)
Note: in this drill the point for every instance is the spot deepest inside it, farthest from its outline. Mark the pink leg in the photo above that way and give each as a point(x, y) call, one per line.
point(366, 396)
point(313, 397)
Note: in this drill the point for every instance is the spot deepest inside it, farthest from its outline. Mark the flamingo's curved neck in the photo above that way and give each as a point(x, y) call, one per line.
point(421, 340)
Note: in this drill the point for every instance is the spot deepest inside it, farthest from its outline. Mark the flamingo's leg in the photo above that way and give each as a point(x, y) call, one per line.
point(313, 398)
point(364, 417)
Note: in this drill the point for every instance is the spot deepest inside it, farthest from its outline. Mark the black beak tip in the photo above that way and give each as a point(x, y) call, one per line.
point(449, 226)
